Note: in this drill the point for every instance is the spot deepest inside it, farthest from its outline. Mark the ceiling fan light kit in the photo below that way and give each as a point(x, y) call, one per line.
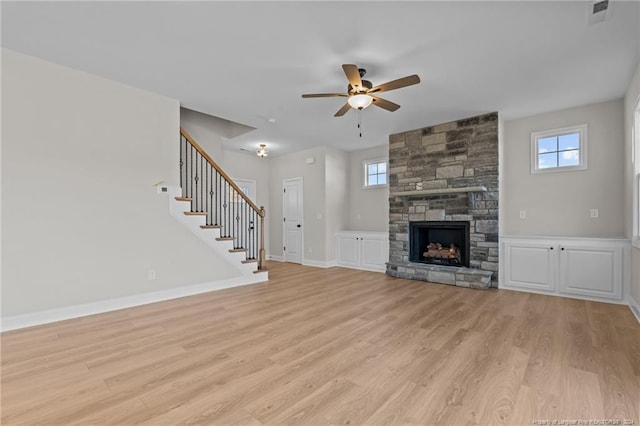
point(360, 101)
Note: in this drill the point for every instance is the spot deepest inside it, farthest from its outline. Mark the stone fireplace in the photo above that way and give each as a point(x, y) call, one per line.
point(443, 199)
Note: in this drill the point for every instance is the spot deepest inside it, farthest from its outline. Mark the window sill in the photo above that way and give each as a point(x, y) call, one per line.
point(375, 186)
point(558, 169)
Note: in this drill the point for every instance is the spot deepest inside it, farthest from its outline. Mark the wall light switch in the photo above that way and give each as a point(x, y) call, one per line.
point(595, 214)
point(151, 274)
point(523, 214)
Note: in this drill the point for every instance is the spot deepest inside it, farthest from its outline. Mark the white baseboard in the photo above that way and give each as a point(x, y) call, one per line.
point(635, 307)
point(86, 309)
point(305, 262)
point(566, 295)
point(382, 270)
point(319, 263)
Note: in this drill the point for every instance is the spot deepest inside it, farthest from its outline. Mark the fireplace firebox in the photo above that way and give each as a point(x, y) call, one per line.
point(439, 243)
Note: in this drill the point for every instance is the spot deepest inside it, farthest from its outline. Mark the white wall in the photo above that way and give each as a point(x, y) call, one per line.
point(368, 208)
point(81, 219)
point(630, 101)
point(206, 130)
point(558, 204)
point(336, 196)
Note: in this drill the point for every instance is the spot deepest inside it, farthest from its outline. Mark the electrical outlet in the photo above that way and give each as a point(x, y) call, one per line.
point(595, 214)
point(523, 214)
point(151, 274)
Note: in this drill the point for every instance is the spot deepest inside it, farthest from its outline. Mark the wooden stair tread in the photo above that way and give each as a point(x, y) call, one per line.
point(237, 250)
point(250, 261)
point(196, 213)
point(259, 271)
point(184, 199)
point(225, 239)
point(210, 226)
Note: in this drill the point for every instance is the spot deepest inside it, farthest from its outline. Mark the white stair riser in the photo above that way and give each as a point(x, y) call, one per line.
point(194, 223)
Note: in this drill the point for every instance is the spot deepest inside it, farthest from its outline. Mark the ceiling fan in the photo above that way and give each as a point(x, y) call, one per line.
point(361, 93)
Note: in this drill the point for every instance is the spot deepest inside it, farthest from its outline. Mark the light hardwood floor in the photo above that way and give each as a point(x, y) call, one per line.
point(329, 346)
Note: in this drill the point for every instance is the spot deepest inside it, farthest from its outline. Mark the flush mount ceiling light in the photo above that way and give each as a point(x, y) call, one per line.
point(262, 151)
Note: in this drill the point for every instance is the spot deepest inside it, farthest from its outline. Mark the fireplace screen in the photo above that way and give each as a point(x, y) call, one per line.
point(439, 243)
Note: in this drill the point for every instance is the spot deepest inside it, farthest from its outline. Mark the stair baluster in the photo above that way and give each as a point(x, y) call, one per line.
point(212, 191)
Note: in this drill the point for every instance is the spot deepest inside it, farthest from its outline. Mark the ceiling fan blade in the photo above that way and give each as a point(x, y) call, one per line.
point(353, 75)
point(395, 84)
point(324, 95)
point(342, 111)
point(385, 104)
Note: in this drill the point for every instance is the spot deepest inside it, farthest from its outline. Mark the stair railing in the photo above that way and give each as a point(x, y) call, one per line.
point(227, 207)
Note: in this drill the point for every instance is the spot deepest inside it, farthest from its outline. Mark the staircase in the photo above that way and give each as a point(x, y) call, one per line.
point(216, 209)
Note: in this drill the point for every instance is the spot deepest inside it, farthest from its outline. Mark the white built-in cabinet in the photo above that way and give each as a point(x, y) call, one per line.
point(590, 268)
point(362, 250)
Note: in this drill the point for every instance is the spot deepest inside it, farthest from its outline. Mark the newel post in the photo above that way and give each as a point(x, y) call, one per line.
point(261, 264)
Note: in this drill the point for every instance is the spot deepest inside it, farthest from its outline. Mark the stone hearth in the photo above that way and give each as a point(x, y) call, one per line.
point(447, 172)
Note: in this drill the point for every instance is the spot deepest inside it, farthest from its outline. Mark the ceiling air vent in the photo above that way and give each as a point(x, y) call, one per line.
point(599, 11)
point(601, 6)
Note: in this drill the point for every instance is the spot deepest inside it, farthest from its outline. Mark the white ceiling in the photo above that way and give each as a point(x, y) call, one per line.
point(250, 61)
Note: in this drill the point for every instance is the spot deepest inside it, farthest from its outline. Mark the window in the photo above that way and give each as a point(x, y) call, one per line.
point(559, 149)
point(375, 173)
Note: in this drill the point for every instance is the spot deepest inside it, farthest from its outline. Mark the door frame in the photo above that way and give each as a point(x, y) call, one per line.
point(284, 228)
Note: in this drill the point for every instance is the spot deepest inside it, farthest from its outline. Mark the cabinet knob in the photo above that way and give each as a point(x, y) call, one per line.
point(562, 248)
point(550, 248)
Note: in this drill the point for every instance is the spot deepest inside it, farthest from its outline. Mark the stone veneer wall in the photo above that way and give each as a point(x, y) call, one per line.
point(457, 154)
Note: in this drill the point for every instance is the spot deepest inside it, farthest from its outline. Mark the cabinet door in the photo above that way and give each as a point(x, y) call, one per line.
point(591, 271)
point(373, 253)
point(530, 266)
point(347, 247)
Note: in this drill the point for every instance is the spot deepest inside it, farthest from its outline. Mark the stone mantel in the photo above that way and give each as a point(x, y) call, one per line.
point(419, 193)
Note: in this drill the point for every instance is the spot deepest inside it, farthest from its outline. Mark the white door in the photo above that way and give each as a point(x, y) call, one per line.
point(292, 219)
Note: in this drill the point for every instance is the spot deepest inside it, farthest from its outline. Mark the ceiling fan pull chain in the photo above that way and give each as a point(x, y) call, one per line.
point(360, 121)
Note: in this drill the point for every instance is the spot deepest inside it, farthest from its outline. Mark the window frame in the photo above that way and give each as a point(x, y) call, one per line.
point(581, 129)
point(636, 211)
point(365, 168)
point(635, 166)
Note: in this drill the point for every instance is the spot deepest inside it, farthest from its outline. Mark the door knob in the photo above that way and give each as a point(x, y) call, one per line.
point(298, 225)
